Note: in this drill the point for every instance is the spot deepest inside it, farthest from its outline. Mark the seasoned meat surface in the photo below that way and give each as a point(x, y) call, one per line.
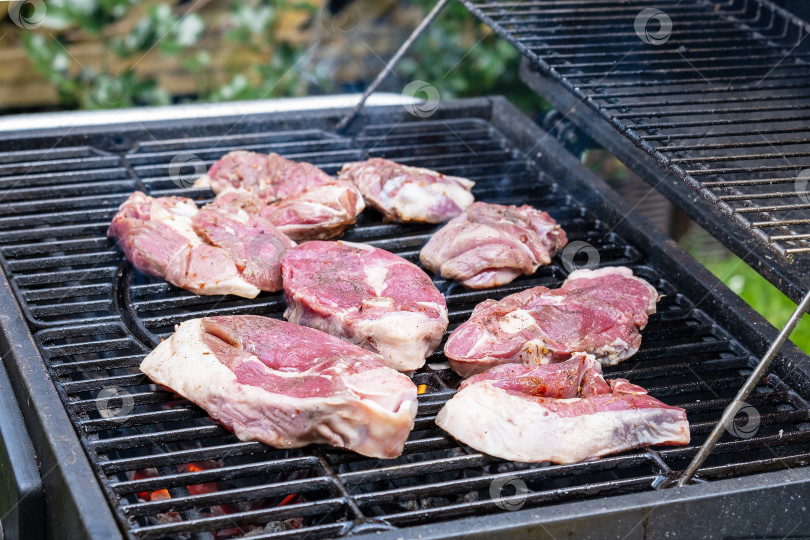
point(366, 296)
point(595, 311)
point(298, 198)
point(564, 413)
point(286, 385)
point(492, 244)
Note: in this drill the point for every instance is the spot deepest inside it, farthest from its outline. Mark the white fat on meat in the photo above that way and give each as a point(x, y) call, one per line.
point(373, 419)
point(178, 218)
point(403, 338)
point(375, 276)
point(563, 413)
point(513, 428)
point(518, 320)
point(413, 201)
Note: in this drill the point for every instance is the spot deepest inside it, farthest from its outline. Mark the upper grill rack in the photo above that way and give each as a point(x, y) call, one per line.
point(141, 439)
point(714, 91)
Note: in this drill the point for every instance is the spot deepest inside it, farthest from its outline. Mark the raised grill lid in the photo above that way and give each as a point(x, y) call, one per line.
point(711, 96)
point(95, 318)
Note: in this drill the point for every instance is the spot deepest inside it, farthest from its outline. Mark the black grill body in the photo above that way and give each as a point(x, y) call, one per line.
point(713, 103)
point(77, 320)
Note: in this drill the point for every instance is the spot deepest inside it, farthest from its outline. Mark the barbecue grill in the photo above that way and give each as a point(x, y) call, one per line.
point(118, 456)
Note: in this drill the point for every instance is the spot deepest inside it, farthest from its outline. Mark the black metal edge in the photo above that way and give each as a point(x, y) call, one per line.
point(123, 138)
point(21, 506)
point(769, 505)
point(788, 278)
point(725, 306)
point(71, 493)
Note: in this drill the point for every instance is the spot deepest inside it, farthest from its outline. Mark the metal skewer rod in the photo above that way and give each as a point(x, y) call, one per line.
point(389, 67)
point(745, 391)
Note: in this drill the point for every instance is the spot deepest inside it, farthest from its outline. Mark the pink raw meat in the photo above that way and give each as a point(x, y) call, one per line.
point(366, 296)
point(595, 311)
point(157, 237)
point(492, 244)
point(286, 385)
point(564, 413)
point(304, 202)
point(253, 243)
point(404, 193)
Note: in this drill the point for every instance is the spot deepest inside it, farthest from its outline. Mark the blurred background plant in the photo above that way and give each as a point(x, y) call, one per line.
point(100, 54)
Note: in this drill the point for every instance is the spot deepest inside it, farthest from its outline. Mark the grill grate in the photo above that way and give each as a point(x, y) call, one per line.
point(715, 92)
point(95, 318)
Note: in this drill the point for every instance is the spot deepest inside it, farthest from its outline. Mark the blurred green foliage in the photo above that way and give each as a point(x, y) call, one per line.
point(462, 58)
point(457, 54)
point(166, 31)
point(761, 295)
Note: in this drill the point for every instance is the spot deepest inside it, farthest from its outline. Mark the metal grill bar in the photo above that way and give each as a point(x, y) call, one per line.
point(736, 63)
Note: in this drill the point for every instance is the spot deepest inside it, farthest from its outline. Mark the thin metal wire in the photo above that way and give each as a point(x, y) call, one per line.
point(344, 123)
point(745, 391)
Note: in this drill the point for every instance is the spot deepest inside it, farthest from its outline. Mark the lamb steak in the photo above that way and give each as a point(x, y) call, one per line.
point(595, 311)
point(286, 385)
point(564, 413)
point(366, 296)
point(492, 244)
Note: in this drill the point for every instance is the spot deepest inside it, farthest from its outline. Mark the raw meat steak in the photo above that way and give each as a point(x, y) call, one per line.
point(491, 244)
point(366, 296)
point(267, 177)
point(403, 193)
point(286, 385)
point(158, 238)
point(304, 202)
point(320, 213)
point(252, 242)
point(563, 413)
point(595, 311)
